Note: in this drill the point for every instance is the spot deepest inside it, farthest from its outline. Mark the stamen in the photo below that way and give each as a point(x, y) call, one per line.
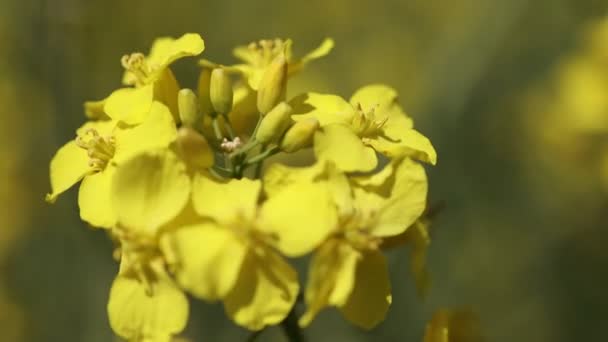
point(99, 149)
point(367, 123)
point(266, 50)
point(136, 64)
point(230, 146)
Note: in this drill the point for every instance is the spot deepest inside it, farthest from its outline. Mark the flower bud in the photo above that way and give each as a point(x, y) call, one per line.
point(274, 124)
point(204, 100)
point(273, 84)
point(193, 148)
point(220, 91)
point(188, 107)
point(299, 135)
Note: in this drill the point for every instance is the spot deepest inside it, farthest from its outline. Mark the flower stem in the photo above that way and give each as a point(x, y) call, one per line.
point(259, 165)
point(291, 328)
point(254, 336)
point(257, 158)
point(228, 126)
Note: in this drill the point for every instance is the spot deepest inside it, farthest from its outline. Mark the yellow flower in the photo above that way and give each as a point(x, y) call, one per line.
point(257, 56)
point(352, 132)
point(231, 255)
point(349, 270)
point(152, 79)
point(147, 193)
point(93, 156)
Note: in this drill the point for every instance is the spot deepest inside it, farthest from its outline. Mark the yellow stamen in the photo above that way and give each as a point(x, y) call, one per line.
point(99, 149)
point(136, 64)
point(266, 50)
point(367, 123)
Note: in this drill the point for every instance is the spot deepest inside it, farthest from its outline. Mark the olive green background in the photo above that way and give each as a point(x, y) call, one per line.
point(521, 241)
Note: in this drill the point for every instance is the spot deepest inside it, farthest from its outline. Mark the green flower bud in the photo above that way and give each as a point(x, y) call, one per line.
point(274, 124)
point(273, 84)
point(204, 99)
point(299, 135)
point(188, 108)
point(220, 91)
point(194, 148)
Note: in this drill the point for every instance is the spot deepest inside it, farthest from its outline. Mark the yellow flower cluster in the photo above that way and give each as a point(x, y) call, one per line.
point(174, 176)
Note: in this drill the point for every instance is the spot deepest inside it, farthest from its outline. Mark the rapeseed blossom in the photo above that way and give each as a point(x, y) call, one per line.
point(176, 178)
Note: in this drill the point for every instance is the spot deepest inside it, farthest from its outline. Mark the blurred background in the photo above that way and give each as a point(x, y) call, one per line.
point(513, 94)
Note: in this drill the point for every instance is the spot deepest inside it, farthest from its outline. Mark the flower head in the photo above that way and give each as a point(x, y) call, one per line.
point(99, 147)
point(353, 132)
point(151, 78)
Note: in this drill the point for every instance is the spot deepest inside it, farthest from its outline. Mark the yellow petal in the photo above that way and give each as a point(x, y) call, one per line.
point(149, 190)
point(68, 167)
point(407, 201)
point(331, 278)
point(94, 110)
point(208, 257)
point(165, 91)
point(265, 291)
point(339, 144)
point(378, 96)
point(288, 216)
point(321, 51)
point(399, 143)
point(130, 105)
point(279, 176)
point(138, 316)
point(418, 237)
point(245, 54)
point(328, 109)
point(103, 127)
point(244, 114)
point(157, 131)
point(166, 50)
point(371, 296)
point(94, 199)
point(224, 201)
point(379, 182)
point(254, 75)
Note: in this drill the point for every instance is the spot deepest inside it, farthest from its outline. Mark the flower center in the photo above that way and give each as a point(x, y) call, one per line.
point(138, 255)
point(265, 51)
point(355, 231)
point(230, 146)
point(137, 66)
point(100, 149)
point(367, 123)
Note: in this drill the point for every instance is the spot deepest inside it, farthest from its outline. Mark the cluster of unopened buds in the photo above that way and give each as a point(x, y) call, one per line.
point(177, 179)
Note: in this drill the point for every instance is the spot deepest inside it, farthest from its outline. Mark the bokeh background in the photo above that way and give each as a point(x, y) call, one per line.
point(514, 95)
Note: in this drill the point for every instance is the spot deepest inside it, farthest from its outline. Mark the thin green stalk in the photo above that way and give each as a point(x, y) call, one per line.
point(291, 329)
point(228, 126)
point(257, 158)
point(254, 336)
point(259, 165)
point(216, 130)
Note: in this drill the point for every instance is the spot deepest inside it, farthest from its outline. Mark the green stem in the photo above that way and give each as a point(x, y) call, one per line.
point(214, 172)
point(257, 126)
point(259, 165)
point(291, 328)
point(229, 127)
point(216, 130)
point(245, 148)
point(257, 158)
point(254, 336)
